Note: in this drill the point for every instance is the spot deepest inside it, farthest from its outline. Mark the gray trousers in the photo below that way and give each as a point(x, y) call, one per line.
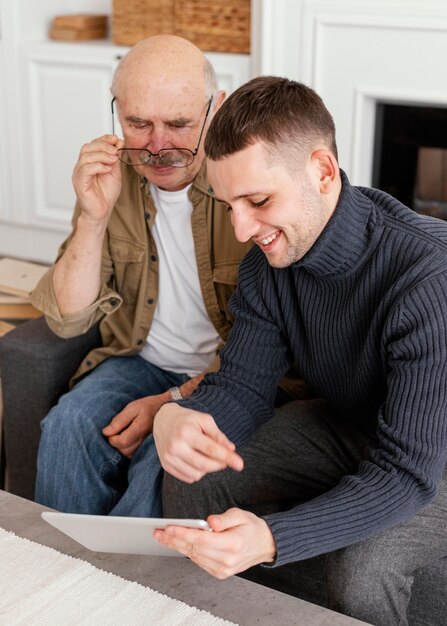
point(299, 454)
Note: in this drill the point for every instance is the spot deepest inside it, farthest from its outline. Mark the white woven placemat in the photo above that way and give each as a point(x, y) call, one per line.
point(39, 585)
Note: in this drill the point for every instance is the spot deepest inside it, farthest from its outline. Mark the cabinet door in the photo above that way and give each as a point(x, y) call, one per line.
point(68, 105)
point(62, 100)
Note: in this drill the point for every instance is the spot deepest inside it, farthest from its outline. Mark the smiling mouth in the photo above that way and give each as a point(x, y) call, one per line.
point(269, 239)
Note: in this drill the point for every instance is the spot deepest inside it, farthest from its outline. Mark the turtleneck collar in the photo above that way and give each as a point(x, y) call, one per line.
point(347, 236)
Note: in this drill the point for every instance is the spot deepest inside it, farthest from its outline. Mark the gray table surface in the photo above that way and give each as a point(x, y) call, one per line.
point(234, 599)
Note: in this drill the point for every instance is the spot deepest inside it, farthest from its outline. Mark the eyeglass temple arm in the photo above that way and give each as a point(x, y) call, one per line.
point(113, 115)
point(203, 126)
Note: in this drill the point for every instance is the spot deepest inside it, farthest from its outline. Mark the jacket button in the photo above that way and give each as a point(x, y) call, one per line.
point(113, 301)
point(150, 301)
point(139, 342)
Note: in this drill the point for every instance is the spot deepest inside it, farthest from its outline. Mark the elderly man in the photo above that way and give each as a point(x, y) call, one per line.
point(153, 259)
point(353, 286)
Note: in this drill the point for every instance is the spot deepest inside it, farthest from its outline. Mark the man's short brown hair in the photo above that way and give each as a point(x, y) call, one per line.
point(275, 110)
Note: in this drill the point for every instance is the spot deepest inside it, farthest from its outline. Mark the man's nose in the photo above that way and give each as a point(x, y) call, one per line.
point(156, 140)
point(243, 224)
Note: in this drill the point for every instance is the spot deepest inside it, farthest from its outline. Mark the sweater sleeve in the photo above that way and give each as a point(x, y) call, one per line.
point(240, 396)
point(403, 471)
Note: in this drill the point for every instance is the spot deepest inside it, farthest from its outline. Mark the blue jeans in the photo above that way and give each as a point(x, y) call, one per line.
point(78, 471)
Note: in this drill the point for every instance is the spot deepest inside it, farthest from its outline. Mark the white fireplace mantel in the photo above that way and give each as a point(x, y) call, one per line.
point(355, 54)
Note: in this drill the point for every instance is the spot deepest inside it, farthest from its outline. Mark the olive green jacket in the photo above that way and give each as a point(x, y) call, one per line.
point(129, 274)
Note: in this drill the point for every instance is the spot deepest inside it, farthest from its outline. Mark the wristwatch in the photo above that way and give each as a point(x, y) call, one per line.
point(175, 393)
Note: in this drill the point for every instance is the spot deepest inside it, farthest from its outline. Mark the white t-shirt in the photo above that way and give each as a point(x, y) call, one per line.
point(182, 338)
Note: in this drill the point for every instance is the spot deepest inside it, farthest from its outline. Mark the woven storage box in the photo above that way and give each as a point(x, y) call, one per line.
point(218, 25)
point(213, 25)
point(134, 20)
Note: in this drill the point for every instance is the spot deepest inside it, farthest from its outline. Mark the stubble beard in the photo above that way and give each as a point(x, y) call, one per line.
point(300, 243)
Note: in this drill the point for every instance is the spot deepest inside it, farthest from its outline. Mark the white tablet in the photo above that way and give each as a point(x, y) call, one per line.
point(126, 535)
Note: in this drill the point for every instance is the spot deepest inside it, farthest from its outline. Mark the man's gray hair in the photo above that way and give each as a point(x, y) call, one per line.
point(210, 79)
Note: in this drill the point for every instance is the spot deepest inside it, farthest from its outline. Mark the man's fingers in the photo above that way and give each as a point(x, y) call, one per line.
point(106, 143)
point(125, 450)
point(119, 422)
point(97, 157)
point(216, 554)
point(183, 471)
point(216, 445)
point(193, 470)
point(218, 452)
point(194, 439)
point(221, 438)
point(188, 541)
point(204, 454)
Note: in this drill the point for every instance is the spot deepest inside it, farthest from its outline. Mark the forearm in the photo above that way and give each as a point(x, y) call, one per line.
point(77, 274)
point(358, 508)
point(188, 388)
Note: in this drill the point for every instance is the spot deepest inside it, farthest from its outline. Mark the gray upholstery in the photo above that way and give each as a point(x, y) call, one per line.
point(35, 367)
point(428, 605)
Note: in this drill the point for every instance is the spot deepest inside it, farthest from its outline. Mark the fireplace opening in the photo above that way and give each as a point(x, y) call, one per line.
point(410, 156)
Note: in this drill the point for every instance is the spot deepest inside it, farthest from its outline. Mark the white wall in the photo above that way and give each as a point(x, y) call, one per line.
point(35, 15)
point(355, 53)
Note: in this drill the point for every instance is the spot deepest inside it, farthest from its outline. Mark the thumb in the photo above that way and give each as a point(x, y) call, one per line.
point(231, 518)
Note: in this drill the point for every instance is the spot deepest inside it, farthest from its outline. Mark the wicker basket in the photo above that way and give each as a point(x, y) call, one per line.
point(134, 20)
point(213, 25)
point(217, 25)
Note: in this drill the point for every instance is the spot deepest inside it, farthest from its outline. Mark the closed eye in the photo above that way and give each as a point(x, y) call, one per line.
point(177, 124)
point(259, 203)
point(136, 122)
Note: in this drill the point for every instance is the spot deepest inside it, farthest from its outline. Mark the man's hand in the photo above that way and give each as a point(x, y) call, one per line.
point(190, 445)
point(97, 182)
point(97, 177)
point(240, 540)
point(127, 430)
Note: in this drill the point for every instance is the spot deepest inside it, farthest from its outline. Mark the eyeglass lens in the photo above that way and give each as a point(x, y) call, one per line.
point(173, 158)
point(177, 157)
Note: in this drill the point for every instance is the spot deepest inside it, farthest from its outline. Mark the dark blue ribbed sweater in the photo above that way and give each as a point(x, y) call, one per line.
point(363, 315)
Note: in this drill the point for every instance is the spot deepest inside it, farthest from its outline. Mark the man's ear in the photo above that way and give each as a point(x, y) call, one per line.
point(218, 100)
point(326, 170)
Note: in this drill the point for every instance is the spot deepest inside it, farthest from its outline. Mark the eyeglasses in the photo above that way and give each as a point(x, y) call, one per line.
point(173, 157)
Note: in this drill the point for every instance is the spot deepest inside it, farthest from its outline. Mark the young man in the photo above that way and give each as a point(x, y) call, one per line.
point(153, 258)
point(353, 286)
